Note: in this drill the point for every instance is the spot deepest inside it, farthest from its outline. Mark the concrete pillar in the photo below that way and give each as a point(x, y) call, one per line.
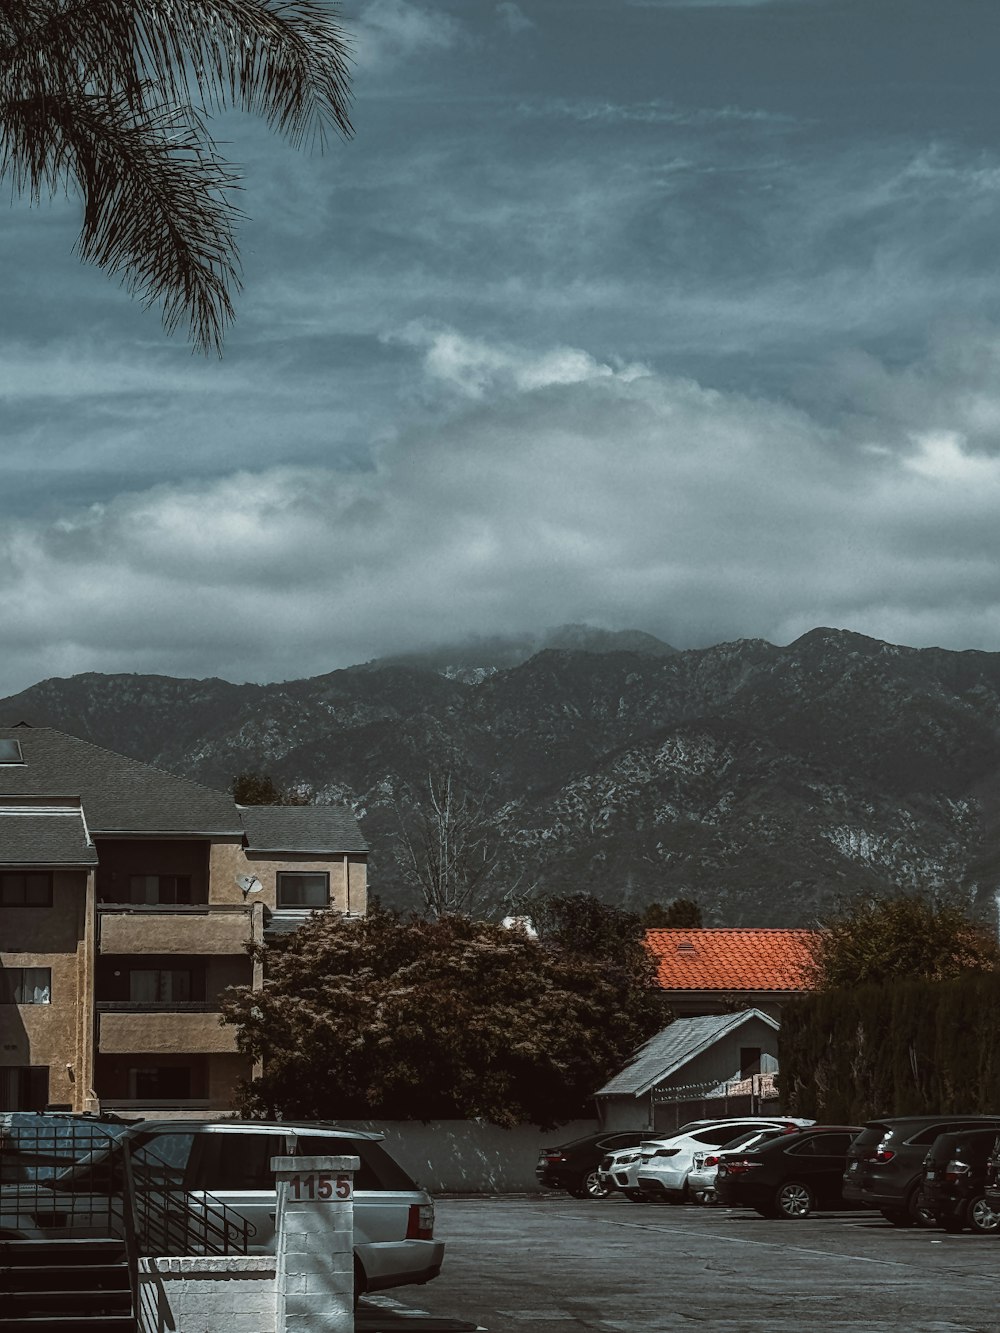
point(314, 1287)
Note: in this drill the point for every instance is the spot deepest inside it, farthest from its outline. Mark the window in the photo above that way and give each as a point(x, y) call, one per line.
point(10, 752)
point(163, 985)
point(303, 888)
point(749, 1061)
point(238, 1161)
point(25, 985)
point(378, 1171)
point(24, 1087)
point(25, 888)
point(154, 1083)
point(159, 889)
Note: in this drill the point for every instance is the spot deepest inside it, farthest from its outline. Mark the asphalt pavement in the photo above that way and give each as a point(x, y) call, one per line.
point(552, 1264)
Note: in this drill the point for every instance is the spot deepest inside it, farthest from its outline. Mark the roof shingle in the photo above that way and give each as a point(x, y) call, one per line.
point(731, 960)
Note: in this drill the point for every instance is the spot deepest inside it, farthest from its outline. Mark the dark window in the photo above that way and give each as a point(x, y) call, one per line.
point(25, 888)
point(162, 985)
point(25, 985)
point(10, 752)
point(153, 1083)
point(24, 1087)
point(930, 1134)
point(749, 1061)
point(159, 889)
point(299, 888)
point(378, 1171)
point(238, 1161)
point(823, 1145)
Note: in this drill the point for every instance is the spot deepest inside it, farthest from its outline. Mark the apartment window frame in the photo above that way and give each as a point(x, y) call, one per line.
point(171, 890)
point(196, 985)
point(285, 880)
point(15, 986)
point(20, 888)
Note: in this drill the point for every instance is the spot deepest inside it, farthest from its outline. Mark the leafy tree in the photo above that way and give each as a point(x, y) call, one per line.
point(876, 940)
point(581, 923)
point(250, 788)
point(682, 913)
point(425, 1019)
point(105, 99)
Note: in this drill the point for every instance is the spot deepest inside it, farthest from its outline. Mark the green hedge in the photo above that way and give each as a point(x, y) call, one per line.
point(897, 1049)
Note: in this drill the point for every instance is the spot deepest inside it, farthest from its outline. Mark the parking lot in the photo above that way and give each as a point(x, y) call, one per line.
point(557, 1264)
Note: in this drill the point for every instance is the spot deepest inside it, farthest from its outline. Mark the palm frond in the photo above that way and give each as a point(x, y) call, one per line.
point(157, 199)
point(104, 96)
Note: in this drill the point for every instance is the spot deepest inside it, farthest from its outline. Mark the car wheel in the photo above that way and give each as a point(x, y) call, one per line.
point(590, 1186)
point(794, 1200)
point(636, 1196)
point(981, 1217)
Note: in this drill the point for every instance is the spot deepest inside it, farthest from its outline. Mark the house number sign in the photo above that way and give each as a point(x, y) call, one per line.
point(320, 1188)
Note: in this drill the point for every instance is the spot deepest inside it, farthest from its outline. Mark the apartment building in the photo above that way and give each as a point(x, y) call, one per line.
point(127, 898)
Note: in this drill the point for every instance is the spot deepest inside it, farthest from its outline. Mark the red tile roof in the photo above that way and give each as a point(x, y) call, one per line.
point(731, 960)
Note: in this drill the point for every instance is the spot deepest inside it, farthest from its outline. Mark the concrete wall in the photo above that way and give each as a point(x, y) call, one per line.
point(348, 877)
point(471, 1156)
point(206, 1294)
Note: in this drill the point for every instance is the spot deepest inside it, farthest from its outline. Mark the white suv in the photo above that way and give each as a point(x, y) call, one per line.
point(664, 1164)
point(222, 1170)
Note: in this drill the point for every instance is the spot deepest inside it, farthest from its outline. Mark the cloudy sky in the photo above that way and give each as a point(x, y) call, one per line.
point(677, 315)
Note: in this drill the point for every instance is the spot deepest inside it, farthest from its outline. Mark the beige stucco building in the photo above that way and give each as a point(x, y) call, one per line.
point(127, 898)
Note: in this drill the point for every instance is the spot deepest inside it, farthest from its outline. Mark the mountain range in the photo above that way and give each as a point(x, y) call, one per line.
point(767, 783)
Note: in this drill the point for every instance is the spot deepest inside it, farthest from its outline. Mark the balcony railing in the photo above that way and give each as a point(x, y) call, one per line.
point(190, 928)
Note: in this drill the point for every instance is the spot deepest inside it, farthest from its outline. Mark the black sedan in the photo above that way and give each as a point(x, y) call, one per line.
point(573, 1166)
point(790, 1176)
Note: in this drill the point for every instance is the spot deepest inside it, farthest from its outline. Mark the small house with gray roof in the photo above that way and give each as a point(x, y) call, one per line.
point(708, 1058)
point(128, 896)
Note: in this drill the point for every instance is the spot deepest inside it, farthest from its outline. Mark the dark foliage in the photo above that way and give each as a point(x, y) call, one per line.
point(898, 1048)
point(426, 1019)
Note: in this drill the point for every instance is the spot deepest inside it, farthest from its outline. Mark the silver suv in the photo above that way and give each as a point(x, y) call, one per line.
point(228, 1162)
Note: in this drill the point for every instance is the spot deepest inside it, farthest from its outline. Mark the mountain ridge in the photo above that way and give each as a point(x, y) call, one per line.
point(765, 782)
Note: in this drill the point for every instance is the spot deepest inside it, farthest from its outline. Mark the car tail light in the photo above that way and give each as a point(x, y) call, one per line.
point(882, 1155)
point(554, 1157)
point(737, 1168)
point(955, 1169)
point(666, 1152)
point(710, 1161)
point(420, 1222)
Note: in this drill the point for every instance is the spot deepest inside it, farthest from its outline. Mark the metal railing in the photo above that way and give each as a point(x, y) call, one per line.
point(76, 1176)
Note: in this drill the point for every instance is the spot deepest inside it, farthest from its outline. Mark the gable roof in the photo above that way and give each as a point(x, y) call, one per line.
point(731, 960)
point(119, 795)
point(301, 829)
point(677, 1045)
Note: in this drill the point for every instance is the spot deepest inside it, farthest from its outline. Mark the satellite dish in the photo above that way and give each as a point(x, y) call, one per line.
point(248, 884)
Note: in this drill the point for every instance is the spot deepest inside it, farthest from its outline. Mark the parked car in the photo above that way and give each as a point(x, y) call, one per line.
point(704, 1168)
point(954, 1181)
point(789, 1176)
point(575, 1166)
point(885, 1163)
point(615, 1165)
point(662, 1170)
point(228, 1163)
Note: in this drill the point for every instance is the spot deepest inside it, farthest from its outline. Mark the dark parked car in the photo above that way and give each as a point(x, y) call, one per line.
point(574, 1166)
point(955, 1180)
point(789, 1176)
point(885, 1165)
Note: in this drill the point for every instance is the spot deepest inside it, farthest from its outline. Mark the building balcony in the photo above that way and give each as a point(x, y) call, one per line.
point(124, 928)
point(130, 1027)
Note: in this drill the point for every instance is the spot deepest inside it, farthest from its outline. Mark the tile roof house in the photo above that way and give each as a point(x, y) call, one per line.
point(692, 1059)
point(127, 898)
point(706, 971)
